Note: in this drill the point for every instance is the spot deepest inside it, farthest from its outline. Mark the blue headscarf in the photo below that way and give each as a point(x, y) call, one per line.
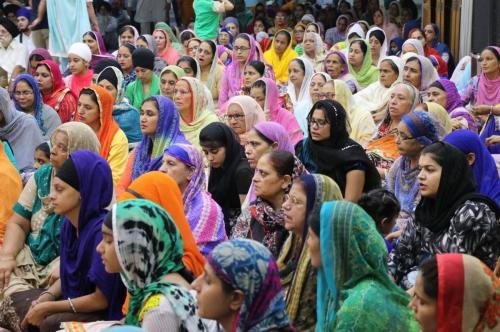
point(231, 37)
point(484, 167)
point(399, 42)
point(82, 270)
point(149, 153)
point(421, 127)
point(37, 103)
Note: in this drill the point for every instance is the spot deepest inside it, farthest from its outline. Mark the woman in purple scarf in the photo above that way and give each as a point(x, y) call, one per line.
point(83, 188)
point(96, 44)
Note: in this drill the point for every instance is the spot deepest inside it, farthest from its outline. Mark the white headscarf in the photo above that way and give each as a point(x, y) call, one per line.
point(309, 71)
point(415, 43)
point(383, 49)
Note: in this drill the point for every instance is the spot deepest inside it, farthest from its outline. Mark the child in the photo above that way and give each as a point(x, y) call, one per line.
point(79, 56)
point(384, 208)
point(42, 155)
point(207, 14)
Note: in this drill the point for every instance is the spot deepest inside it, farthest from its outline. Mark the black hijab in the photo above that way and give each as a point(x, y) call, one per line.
point(456, 186)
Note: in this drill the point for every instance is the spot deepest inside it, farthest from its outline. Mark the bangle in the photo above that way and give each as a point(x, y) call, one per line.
point(72, 306)
point(47, 292)
point(491, 109)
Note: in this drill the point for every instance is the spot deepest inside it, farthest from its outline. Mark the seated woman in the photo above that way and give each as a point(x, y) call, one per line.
point(211, 71)
point(266, 94)
point(329, 150)
point(148, 42)
point(279, 56)
point(483, 164)
point(190, 66)
point(314, 49)
point(192, 46)
point(415, 131)
point(454, 292)
point(166, 51)
point(360, 63)
point(54, 91)
point(377, 41)
point(34, 59)
point(168, 77)
point(243, 113)
point(344, 235)
point(10, 190)
point(83, 188)
point(147, 83)
point(382, 149)
point(226, 292)
point(95, 42)
point(230, 173)
point(160, 297)
point(335, 65)
point(450, 217)
point(79, 57)
point(300, 72)
point(125, 115)
point(124, 58)
point(263, 219)
point(184, 163)
point(298, 277)
point(27, 99)
point(419, 72)
point(95, 109)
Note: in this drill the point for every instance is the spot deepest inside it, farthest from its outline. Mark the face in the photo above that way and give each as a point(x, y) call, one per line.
point(407, 145)
point(187, 68)
point(193, 46)
point(141, 43)
point(412, 73)
point(429, 176)
point(91, 43)
point(394, 47)
point(64, 198)
point(267, 182)
point(106, 248)
point(24, 95)
point(258, 95)
point(355, 55)
point(399, 102)
point(183, 97)
point(334, 65)
point(298, 34)
point(40, 159)
point(177, 170)
point(205, 55)
point(319, 126)
point(59, 151)
point(341, 25)
point(167, 84)
point(296, 73)
point(280, 19)
point(127, 37)
point(295, 208)
point(387, 74)
point(311, 28)
point(235, 118)
point(250, 75)
point(375, 45)
point(417, 34)
point(313, 242)
point(215, 156)
point(438, 96)
point(124, 58)
point(160, 40)
point(149, 118)
point(309, 43)
point(409, 48)
point(258, 27)
point(393, 10)
point(424, 307)
point(88, 111)
point(233, 28)
point(22, 23)
point(430, 34)
point(109, 87)
point(76, 64)
point(280, 43)
point(242, 50)
point(255, 148)
point(224, 38)
point(144, 74)
point(489, 62)
point(378, 18)
point(316, 86)
point(328, 91)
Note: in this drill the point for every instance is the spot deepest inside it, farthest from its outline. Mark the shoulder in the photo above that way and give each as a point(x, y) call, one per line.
point(475, 210)
point(119, 139)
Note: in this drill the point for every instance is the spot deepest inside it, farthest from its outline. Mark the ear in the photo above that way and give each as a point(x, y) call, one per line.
point(287, 180)
point(190, 173)
point(384, 221)
point(236, 300)
point(471, 158)
point(274, 146)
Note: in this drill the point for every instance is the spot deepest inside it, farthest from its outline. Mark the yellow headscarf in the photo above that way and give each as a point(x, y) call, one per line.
point(280, 64)
point(441, 118)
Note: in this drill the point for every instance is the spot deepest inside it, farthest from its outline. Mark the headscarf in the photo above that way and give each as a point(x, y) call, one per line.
point(337, 35)
point(10, 189)
point(203, 213)
point(233, 20)
point(141, 226)
point(384, 43)
point(41, 52)
point(53, 98)
point(171, 36)
point(468, 294)
point(428, 73)
point(212, 77)
point(453, 99)
point(415, 43)
point(82, 270)
point(441, 118)
point(421, 127)
point(164, 191)
point(488, 92)
point(353, 279)
point(399, 43)
point(101, 47)
point(178, 71)
point(280, 64)
point(115, 76)
point(252, 110)
point(368, 73)
point(37, 102)
point(136, 35)
point(149, 152)
point(484, 167)
point(248, 266)
point(169, 53)
point(20, 130)
point(319, 49)
point(357, 29)
point(345, 68)
point(231, 40)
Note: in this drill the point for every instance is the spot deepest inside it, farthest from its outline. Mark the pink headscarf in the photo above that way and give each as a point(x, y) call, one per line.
point(252, 110)
point(488, 90)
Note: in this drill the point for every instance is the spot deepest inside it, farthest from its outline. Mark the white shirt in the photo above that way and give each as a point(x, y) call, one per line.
point(16, 54)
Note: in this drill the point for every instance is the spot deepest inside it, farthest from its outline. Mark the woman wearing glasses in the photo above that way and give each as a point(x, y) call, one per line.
point(243, 113)
point(329, 150)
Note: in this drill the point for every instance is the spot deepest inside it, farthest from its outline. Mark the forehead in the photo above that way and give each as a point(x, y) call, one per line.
point(242, 42)
point(234, 108)
point(319, 114)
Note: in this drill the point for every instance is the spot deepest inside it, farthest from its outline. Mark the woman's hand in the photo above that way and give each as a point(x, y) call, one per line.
point(7, 266)
point(492, 140)
point(481, 109)
point(36, 314)
point(393, 236)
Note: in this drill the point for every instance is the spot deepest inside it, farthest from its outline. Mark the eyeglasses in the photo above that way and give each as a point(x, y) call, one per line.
point(23, 93)
point(317, 122)
point(403, 137)
point(240, 49)
point(236, 117)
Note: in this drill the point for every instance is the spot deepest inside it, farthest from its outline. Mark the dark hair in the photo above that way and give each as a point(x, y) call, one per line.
point(266, 26)
point(413, 59)
point(37, 57)
point(438, 152)
point(429, 271)
point(377, 10)
point(301, 63)
point(314, 220)
point(141, 37)
point(131, 48)
point(282, 162)
point(380, 204)
point(91, 93)
point(362, 45)
point(260, 84)
point(259, 66)
point(262, 137)
point(45, 148)
point(438, 85)
point(243, 36)
point(287, 34)
point(191, 61)
point(186, 35)
point(494, 51)
point(212, 45)
point(126, 28)
point(153, 100)
point(417, 29)
point(91, 34)
point(337, 118)
point(394, 67)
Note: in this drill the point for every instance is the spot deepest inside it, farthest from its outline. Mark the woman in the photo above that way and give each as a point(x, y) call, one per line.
point(329, 150)
point(190, 66)
point(244, 51)
point(259, 305)
point(253, 71)
point(83, 188)
point(266, 93)
point(95, 109)
point(456, 292)
point(377, 41)
point(10, 190)
point(147, 83)
point(192, 47)
point(148, 41)
point(95, 42)
point(27, 99)
point(225, 42)
point(232, 24)
point(166, 51)
point(336, 66)
point(300, 72)
point(184, 163)
point(230, 174)
point(171, 35)
point(20, 130)
point(297, 275)
point(337, 33)
point(450, 217)
point(36, 56)
point(185, 36)
point(314, 49)
point(383, 21)
point(345, 236)
point(243, 113)
point(360, 63)
point(125, 115)
point(128, 34)
point(124, 58)
point(79, 57)
point(160, 297)
point(396, 46)
point(432, 35)
point(483, 164)
point(280, 55)
point(419, 35)
point(160, 128)
point(211, 71)
point(168, 78)
point(419, 72)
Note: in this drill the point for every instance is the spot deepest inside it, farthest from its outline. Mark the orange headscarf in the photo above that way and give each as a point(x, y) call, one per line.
point(9, 190)
point(163, 190)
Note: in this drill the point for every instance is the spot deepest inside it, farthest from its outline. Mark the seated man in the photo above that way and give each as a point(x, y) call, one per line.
point(13, 55)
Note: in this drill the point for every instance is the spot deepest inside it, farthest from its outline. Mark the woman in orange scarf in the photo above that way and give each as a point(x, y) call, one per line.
point(9, 190)
point(95, 109)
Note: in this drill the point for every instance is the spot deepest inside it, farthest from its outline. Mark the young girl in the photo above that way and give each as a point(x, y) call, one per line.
point(147, 83)
point(42, 155)
point(79, 57)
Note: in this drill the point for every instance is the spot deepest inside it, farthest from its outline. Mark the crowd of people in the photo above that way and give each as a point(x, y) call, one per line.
point(290, 166)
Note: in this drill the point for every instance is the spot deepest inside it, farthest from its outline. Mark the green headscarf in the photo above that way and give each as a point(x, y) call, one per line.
point(368, 73)
point(173, 39)
point(355, 292)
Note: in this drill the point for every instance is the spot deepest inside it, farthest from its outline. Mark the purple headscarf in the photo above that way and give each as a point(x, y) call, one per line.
point(233, 20)
point(345, 68)
point(82, 270)
point(41, 52)
point(484, 168)
point(453, 99)
point(276, 133)
point(103, 53)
